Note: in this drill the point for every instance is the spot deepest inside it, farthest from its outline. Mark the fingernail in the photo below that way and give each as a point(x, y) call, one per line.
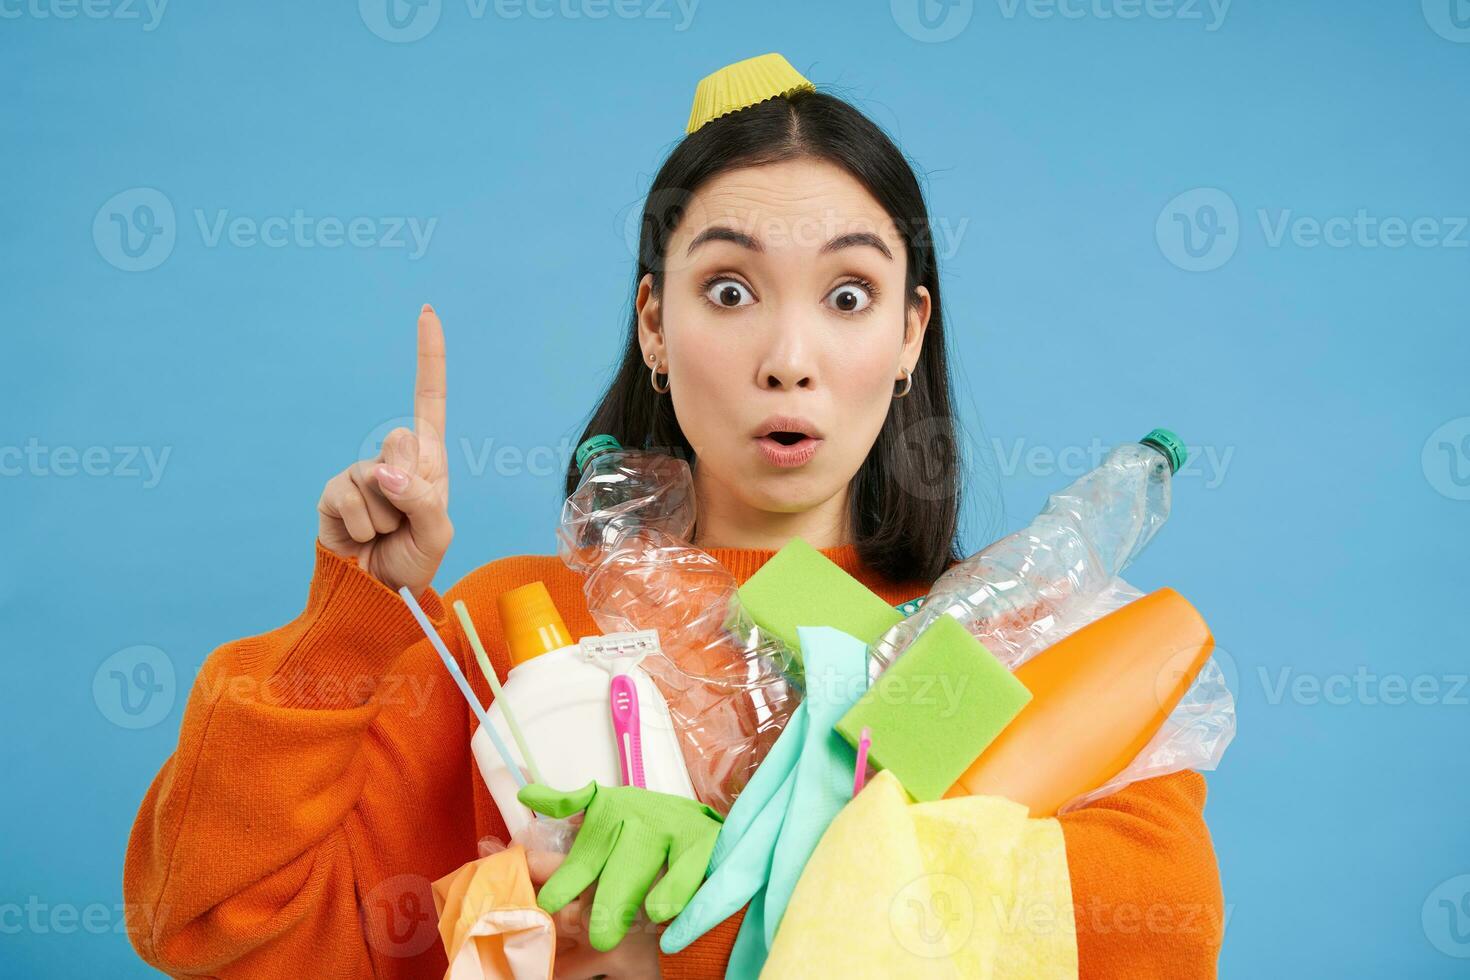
point(427, 309)
point(392, 479)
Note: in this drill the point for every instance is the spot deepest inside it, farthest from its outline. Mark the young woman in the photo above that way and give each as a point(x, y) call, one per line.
point(786, 333)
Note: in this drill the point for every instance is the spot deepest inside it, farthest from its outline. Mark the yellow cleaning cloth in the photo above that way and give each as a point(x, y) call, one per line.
point(490, 923)
point(968, 887)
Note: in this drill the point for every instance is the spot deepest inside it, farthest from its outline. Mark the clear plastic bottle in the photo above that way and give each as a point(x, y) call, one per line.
point(622, 491)
point(1030, 588)
point(626, 527)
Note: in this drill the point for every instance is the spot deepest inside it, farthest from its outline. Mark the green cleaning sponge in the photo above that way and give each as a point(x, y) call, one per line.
point(936, 709)
point(800, 586)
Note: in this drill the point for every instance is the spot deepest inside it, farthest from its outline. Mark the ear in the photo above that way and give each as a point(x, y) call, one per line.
point(916, 324)
point(650, 323)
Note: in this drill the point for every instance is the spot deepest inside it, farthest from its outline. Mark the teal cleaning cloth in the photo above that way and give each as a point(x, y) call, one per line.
point(776, 823)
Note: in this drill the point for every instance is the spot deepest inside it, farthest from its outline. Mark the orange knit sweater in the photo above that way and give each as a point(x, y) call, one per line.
point(323, 779)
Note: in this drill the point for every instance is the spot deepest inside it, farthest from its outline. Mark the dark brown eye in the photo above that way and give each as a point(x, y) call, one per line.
point(849, 298)
point(729, 294)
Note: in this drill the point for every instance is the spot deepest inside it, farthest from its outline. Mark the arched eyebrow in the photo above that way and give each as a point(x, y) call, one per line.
point(856, 239)
point(719, 233)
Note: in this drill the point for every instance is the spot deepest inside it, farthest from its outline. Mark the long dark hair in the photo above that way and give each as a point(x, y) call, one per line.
point(905, 498)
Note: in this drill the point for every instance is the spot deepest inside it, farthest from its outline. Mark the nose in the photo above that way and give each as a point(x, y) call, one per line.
point(790, 358)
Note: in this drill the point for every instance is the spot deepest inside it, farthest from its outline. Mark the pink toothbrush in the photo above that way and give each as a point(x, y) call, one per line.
point(860, 771)
point(624, 698)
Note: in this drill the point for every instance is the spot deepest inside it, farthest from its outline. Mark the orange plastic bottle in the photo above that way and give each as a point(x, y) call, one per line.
point(1097, 698)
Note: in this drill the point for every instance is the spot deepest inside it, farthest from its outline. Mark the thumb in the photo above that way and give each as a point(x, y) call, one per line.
point(421, 503)
point(401, 450)
point(554, 802)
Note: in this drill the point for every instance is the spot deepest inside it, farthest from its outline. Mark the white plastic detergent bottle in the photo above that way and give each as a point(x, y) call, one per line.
point(560, 697)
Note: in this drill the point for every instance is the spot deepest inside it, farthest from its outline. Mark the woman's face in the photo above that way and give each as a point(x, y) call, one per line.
point(783, 307)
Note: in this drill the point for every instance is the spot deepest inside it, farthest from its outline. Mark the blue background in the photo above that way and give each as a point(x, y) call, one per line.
point(1325, 541)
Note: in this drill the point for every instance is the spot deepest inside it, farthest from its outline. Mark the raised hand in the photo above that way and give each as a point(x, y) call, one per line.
point(390, 514)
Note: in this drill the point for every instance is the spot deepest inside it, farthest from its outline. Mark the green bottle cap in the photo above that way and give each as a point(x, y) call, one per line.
point(593, 446)
point(1170, 445)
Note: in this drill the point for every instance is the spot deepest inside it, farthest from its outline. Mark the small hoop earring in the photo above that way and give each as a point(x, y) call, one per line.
point(908, 384)
point(653, 378)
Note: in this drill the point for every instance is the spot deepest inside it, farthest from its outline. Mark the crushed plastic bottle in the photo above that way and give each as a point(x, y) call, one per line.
point(1038, 586)
point(622, 491)
point(1029, 589)
point(626, 527)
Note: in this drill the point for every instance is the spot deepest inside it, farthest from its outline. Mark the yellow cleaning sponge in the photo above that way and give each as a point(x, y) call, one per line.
point(936, 709)
point(800, 586)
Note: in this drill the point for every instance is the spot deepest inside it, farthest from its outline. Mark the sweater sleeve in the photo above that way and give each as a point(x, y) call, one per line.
point(290, 826)
point(1145, 889)
point(1145, 884)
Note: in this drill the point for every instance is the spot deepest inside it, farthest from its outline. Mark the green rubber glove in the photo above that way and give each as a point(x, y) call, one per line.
point(626, 837)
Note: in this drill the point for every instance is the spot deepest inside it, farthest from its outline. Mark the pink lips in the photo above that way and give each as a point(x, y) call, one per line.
point(787, 454)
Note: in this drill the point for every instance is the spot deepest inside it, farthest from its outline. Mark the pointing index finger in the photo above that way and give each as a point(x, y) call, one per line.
point(430, 385)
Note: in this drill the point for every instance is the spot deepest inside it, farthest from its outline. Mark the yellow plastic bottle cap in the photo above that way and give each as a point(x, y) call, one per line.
point(531, 622)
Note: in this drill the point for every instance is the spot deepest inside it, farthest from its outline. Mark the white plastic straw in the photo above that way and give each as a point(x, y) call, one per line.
point(483, 660)
point(464, 685)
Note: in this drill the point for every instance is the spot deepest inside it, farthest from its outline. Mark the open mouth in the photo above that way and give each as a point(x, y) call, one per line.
point(786, 441)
